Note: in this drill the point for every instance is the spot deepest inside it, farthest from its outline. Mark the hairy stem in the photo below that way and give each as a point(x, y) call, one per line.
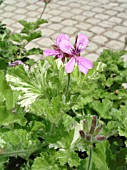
point(90, 158)
point(68, 84)
point(43, 10)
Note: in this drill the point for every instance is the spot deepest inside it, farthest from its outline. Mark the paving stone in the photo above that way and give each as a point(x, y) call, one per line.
point(99, 39)
point(120, 29)
point(18, 26)
point(122, 15)
point(98, 10)
point(106, 6)
point(93, 21)
point(32, 7)
point(97, 30)
point(64, 8)
point(115, 20)
point(66, 14)
point(122, 38)
point(54, 12)
point(92, 56)
point(120, 9)
point(125, 23)
point(68, 22)
point(69, 30)
point(76, 11)
point(83, 25)
point(18, 17)
point(56, 19)
point(86, 7)
point(10, 8)
point(45, 42)
point(54, 6)
point(94, 4)
point(47, 16)
point(110, 12)
point(79, 17)
point(89, 13)
point(62, 2)
point(8, 14)
point(91, 47)
point(88, 34)
point(20, 11)
point(101, 49)
point(21, 4)
point(74, 4)
point(112, 34)
point(115, 45)
point(8, 21)
point(102, 16)
point(106, 24)
point(47, 32)
point(113, 4)
point(55, 26)
point(33, 14)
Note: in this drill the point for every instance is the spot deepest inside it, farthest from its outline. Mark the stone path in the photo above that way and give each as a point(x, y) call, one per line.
point(103, 21)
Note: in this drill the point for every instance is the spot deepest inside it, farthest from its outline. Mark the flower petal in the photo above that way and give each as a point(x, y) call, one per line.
point(81, 43)
point(82, 69)
point(61, 37)
point(70, 65)
point(84, 62)
point(66, 47)
point(51, 52)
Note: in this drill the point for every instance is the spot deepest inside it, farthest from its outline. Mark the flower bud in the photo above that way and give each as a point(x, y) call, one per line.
point(93, 125)
point(101, 138)
point(82, 134)
point(88, 137)
point(98, 129)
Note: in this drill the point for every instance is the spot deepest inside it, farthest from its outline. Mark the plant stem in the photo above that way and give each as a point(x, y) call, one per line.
point(90, 158)
point(68, 84)
point(43, 11)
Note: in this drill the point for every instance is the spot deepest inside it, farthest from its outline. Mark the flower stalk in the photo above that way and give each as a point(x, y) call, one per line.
point(68, 84)
point(90, 159)
point(43, 10)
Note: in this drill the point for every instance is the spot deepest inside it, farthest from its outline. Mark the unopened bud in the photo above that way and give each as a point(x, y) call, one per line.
point(88, 137)
point(85, 125)
point(101, 138)
point(93, 125)
point(98, 129)
point(82, 134)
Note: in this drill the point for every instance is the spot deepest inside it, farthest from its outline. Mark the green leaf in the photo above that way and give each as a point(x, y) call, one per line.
point(32, 36)
point(31, 26)
point(3, 64)
point(18, 143)
point(103, 108)
point(68, 156)
point(101, 156)
point(17, 37)
point(47, 161)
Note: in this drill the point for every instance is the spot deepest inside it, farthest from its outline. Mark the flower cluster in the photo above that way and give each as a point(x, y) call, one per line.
point(64, 49)
point(91, 134)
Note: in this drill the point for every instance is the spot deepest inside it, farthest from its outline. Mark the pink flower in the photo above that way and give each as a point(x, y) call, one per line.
point(64, 49)
point(83, 64)
point(57, 52)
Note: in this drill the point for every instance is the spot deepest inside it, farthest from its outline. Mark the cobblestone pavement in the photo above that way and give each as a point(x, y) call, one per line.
point(103, 21)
